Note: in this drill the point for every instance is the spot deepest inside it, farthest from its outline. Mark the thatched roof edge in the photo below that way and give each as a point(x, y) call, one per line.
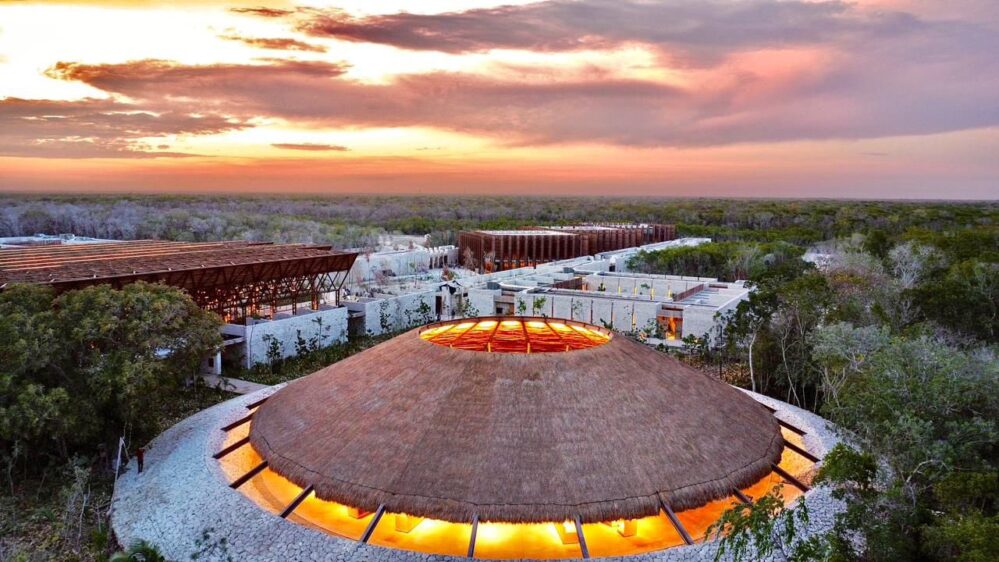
point(369, 499)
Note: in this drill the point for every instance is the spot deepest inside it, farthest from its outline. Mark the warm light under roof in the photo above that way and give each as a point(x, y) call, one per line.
point(515, 335)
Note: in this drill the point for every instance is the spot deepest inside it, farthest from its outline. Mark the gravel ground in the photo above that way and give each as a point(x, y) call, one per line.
point(183, 493)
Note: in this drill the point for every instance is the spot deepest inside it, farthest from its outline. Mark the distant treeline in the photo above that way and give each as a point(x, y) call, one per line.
point(357, 221)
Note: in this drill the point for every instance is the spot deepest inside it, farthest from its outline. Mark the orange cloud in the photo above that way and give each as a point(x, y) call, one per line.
point(277, 43)
point(314, 147)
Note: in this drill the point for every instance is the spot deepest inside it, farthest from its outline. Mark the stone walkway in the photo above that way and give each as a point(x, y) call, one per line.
point(238, 386)
point(182, 494)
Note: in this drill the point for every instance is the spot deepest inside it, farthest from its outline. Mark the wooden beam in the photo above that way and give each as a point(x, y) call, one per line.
point(373, 523)
point(461, 335)
point(554, 331)
point(801, 451)
point(246, 477)
point(237, 423)
point(742, 497)
point(676, 522)
point(787, 476)
point(582, 539)
point(295, 502)
point(231, 448)
point(791, 427)
point(492, 334)
point(475, 531)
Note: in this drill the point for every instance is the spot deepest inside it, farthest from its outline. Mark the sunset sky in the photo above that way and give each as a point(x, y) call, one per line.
point(750, 98)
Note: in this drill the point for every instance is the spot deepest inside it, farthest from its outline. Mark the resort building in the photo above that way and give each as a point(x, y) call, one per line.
point(268, 295)
point(498, 250)
point(273, 296)
point(489, 438)
point(598, 289)
point(46, 240)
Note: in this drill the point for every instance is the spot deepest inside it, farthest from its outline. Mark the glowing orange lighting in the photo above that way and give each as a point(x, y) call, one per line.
point(493, 540)
point(555, 540)
point(631, 536)
point(523, 540)
point(567, 532)
point(534, 335)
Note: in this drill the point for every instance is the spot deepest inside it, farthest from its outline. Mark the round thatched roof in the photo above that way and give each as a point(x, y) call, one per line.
point(603, 433)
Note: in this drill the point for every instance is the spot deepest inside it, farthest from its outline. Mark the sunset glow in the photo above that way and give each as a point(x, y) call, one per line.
point(876, 98)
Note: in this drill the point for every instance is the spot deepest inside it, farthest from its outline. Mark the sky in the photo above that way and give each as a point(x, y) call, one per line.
point(713, 98)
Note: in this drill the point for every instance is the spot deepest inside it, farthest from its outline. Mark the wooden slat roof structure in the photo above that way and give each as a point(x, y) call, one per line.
point(118, 263)
point(521, 335)
point(608, 432)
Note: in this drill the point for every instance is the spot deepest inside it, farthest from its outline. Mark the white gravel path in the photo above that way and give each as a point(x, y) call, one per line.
point(183, 492)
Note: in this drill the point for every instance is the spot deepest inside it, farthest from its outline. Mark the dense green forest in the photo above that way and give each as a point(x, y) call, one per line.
point(881, 316)
point(893, 336)
point(356, 221)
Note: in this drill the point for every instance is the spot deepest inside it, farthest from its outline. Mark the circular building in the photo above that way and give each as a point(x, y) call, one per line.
point(512, 438)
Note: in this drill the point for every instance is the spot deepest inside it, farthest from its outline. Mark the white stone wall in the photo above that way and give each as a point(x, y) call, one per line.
point(596, 265)
point(403, 311)
point(657, 286)
point(700, 320)
point(483, 300)
point(390, 313)
point(369, 308)
point(597, 310)
point(402, 262)
point(325, 327)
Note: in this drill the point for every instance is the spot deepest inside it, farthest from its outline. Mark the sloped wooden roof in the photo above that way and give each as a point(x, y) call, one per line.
point(603, 433)
point(184, 264)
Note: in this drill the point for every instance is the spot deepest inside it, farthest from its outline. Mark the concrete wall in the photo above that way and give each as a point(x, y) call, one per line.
point(625, 315)
point(658, 285)
point(401, 262)
point(321, 328)
point(594, 266)
point(483, 300)
point(700, 320)
point(390, 313)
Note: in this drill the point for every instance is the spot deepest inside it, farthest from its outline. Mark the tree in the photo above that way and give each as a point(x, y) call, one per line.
point(755, 530)
point(801, 305)
point(928, 414)
point(966, 298)
point(538, 305)
point(83, 367)
point(468, 260)
point(841, 352)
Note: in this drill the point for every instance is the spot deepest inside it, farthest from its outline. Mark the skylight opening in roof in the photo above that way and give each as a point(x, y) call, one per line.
point(515, 335)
